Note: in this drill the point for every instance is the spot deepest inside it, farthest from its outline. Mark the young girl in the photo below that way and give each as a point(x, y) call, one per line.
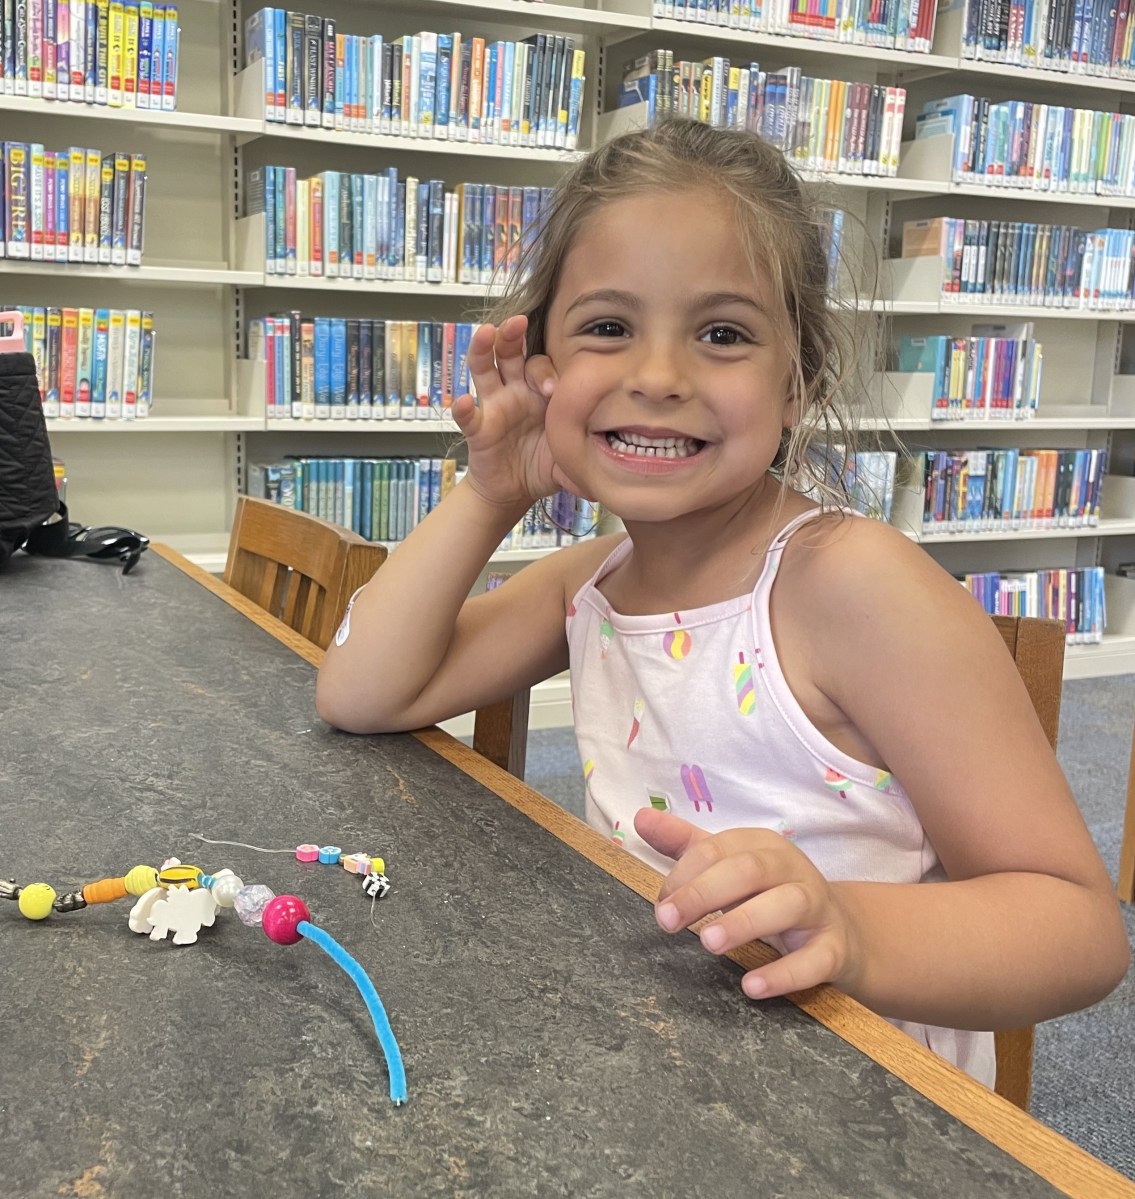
point(794, 704)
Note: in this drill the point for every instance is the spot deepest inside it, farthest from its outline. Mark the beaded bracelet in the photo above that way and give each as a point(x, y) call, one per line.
point(183, 899)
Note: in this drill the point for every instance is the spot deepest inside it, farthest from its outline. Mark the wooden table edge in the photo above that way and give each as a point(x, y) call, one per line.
point(1048, 1154)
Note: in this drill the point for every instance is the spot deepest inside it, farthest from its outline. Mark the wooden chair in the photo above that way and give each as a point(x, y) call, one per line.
point(298, 567)
point(1037, 647)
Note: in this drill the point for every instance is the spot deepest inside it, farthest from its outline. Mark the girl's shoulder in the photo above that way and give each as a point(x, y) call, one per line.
point(572, 566)
point(838, 561)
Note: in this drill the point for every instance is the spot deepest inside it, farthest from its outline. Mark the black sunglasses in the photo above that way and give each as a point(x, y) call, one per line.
point(106, 542)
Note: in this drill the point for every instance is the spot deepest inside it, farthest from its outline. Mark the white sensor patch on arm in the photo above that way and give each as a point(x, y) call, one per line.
point(344, 630)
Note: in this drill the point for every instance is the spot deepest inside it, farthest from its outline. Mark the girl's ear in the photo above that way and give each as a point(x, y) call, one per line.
point(793, 409)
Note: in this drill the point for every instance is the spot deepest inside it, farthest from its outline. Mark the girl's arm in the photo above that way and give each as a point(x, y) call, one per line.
point(1027, 926)
point(415, 649)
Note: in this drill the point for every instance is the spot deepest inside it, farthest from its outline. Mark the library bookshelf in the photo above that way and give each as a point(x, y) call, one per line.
point(176, 474)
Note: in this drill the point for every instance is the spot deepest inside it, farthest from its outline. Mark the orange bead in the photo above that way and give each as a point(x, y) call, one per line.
point(106, 890)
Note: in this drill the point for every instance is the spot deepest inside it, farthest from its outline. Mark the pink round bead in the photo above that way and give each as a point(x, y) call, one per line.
point(307, 853)
point(281, 915)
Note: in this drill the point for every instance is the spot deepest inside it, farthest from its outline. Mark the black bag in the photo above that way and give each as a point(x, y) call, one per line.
point(28, 496)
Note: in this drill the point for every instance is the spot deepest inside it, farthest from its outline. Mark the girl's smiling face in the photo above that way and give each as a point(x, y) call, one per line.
point(673, 381)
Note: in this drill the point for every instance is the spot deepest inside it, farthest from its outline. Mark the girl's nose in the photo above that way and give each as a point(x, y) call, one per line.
point(658, 373)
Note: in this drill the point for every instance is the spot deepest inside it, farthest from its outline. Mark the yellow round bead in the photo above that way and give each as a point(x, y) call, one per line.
point(140, 880)
point(180, 876)
point(35, 901)
point(378, 866)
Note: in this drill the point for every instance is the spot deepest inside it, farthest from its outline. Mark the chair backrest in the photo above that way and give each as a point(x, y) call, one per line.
point(1037, 647)
point(297, 567)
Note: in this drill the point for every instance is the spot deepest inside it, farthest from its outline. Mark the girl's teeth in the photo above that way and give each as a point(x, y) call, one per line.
point(646, 447)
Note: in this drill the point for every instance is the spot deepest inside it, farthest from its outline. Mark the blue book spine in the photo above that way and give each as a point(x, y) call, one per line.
point(62, 204)
point(280, 39)
point(388, 197)
point(366, 502)
point(489, 123)
point(158, 63)
point(331, 223)
point(322, 367)
point(422, 487)
point(98, 372)
point(350, 77)
point(270, 265)
point(354, 471)
point(444, 68)
point(172, 59)
point(90, 46)
point(338, 367)
point(281, 244)
point(462, 337)
point(280, 380)
point(399, 248)
point(435, 483)
point(358, 226)
point(145, 49)
point(507, 69)
point(487, 231)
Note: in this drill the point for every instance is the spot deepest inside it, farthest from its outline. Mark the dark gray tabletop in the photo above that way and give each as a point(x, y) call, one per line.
point(555, 1041)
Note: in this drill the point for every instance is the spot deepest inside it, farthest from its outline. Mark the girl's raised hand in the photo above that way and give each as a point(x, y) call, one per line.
point(509, 459)
point(765, 887)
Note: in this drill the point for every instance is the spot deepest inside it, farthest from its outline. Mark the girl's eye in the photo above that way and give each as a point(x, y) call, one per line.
point(725, 335)
point(606, 329)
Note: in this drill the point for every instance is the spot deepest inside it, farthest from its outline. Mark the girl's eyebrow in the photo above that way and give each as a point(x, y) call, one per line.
point(709, 299)
point(606, 295)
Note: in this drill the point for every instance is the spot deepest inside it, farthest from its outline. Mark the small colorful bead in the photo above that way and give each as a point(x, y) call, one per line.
point(35, 901)
point(141, 879)
point(105, 890)
point(355, 863)
point(307, 852)
point(329, 855)
point(377, 866)
point(280, 917)
point(250, 902)
point(376, 885)
point(180, 876)
point(225, 887)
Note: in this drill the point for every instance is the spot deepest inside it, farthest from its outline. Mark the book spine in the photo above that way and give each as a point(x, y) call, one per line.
point(136, 210)
point(115, 349)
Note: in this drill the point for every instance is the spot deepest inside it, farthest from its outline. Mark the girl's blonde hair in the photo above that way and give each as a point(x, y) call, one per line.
point(781, 230)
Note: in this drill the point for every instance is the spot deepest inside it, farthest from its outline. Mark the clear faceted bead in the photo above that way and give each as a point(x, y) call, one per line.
point(250, 903)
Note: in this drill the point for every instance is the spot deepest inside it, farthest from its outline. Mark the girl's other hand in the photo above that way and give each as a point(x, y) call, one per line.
point(764, 887)
point(509, 459)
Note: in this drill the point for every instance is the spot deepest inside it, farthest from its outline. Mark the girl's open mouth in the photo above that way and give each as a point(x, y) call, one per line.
point(639, 446)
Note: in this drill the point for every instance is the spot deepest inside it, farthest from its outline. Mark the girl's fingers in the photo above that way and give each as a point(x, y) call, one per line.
point(466, 413)
point(482, 360)
point(729, 881)
point(509, 350)
point(666, 833)
point(819, 961)
point(761, 856)
point(781, 909)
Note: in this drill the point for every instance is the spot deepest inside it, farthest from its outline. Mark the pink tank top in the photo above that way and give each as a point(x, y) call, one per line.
point(689, 712)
